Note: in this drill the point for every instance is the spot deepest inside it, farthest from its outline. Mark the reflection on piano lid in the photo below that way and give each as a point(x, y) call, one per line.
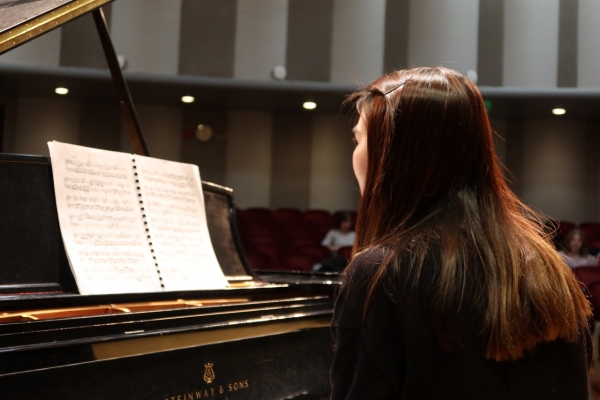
point(24, 20)
point(253, 340)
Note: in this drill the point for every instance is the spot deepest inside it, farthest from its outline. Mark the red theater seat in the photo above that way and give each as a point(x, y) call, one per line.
point(299, 262)
point(259, 261)
point(345, 252)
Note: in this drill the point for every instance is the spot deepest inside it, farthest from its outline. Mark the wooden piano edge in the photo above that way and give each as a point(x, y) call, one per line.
point(18, 302)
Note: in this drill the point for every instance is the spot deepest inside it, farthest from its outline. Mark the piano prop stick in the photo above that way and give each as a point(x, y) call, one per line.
point(123, 336)
point(132, 223)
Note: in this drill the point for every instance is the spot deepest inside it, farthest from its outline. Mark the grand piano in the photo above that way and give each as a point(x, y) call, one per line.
point(261, 338)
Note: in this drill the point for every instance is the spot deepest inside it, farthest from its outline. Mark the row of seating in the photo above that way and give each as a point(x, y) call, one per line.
point(286, 238)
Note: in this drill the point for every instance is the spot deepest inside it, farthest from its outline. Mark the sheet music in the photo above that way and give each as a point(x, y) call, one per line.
point(100, 220)
point(174, 209)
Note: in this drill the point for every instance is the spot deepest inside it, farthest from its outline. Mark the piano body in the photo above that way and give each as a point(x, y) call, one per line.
point(253, 340)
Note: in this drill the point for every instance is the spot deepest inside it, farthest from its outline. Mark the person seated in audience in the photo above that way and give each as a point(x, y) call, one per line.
point(340, 237)
point(334, 240)
point(575, 251)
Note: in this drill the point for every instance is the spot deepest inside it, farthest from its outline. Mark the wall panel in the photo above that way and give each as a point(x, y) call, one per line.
point(260, 40)
point(290, 160)
point(588, 54)
point(248, 165)
point(207, 37)
point(42, 51)
point(358, 39)
point(54, 120)
point(444, 33)
point(332, 183)
point(80, 43)
point(147, 34)
point(554, 168)
point(309, 30)
point(209, 156)
point(530, 43)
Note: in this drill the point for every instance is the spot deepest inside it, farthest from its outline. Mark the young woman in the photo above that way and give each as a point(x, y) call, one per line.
point(576, 253)
point(454, 291)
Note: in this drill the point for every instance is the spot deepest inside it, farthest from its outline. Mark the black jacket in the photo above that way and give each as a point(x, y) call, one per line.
point(390, 356)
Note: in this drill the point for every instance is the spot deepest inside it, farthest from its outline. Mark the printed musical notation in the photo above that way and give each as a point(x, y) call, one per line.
point(174, 204)
point(132, 223)
point(100, 220)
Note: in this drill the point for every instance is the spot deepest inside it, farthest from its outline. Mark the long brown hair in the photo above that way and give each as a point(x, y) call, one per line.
point(434, 182)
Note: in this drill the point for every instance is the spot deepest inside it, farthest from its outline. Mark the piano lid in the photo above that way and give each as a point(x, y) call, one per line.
point(23, 20)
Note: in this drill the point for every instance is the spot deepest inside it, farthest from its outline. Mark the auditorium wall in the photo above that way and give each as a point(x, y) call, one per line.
point(302, 158)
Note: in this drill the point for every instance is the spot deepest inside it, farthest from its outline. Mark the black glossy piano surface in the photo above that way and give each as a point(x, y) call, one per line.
point(254, 340)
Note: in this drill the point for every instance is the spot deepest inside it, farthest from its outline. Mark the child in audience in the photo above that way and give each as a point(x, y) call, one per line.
point(576, 251)
point(340, 237)
point(334, 240)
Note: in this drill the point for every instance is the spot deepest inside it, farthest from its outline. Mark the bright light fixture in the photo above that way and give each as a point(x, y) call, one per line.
point(309, 105)
point(558, 111)
point(188, 99)
point(61, 90)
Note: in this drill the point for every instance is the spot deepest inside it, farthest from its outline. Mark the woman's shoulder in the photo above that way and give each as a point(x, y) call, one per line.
point(364, 264)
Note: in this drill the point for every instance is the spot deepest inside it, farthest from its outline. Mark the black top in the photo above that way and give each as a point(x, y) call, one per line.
point(387, 356)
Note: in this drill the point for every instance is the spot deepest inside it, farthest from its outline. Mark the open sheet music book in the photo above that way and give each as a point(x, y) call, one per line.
point(132, 223)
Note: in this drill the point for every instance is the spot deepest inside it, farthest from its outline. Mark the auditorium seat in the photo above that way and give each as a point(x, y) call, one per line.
point(259, 261)
point(318, 251)
point(345, 252)
point(319, 218)
point(564, 227)
point(254, 214)
point(299, 262)
point(594, 292)
point(283, 234)
point(286, 214)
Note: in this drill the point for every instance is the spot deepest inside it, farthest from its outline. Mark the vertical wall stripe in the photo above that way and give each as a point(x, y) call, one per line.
point(395, 53)
point(444, 33)
point(54, 120)
point(2, 126)
point(588, 53)
point(80, 44)
point(248, 160)
point(10, 123)
point(100, 125)
point(567, 43)
point(490, 44)
point(514, 155)
point(147, 34)
point(42, 51)
point(290, 160)
point(308, 54)
point(209, 156)
point(554, 168)
point(162, 127)
point(592, 172)
point(207, 37)
point(530, 43)
point(357, 40)
point(499, 127)
point(260, 39)
point(332, 183)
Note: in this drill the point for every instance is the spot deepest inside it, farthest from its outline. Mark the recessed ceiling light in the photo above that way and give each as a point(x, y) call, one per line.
point(188, 99)
point(309, 105)
point(61, 90)
point(558, 111)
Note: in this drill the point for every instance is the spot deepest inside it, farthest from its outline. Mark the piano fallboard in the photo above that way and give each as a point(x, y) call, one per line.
point(258, 347)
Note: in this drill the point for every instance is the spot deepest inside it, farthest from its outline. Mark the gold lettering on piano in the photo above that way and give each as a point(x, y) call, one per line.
point(212, 391)
point(209, 373)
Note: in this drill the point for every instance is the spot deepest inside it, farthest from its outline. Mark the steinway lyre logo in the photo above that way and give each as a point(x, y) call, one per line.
point(209, 373)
